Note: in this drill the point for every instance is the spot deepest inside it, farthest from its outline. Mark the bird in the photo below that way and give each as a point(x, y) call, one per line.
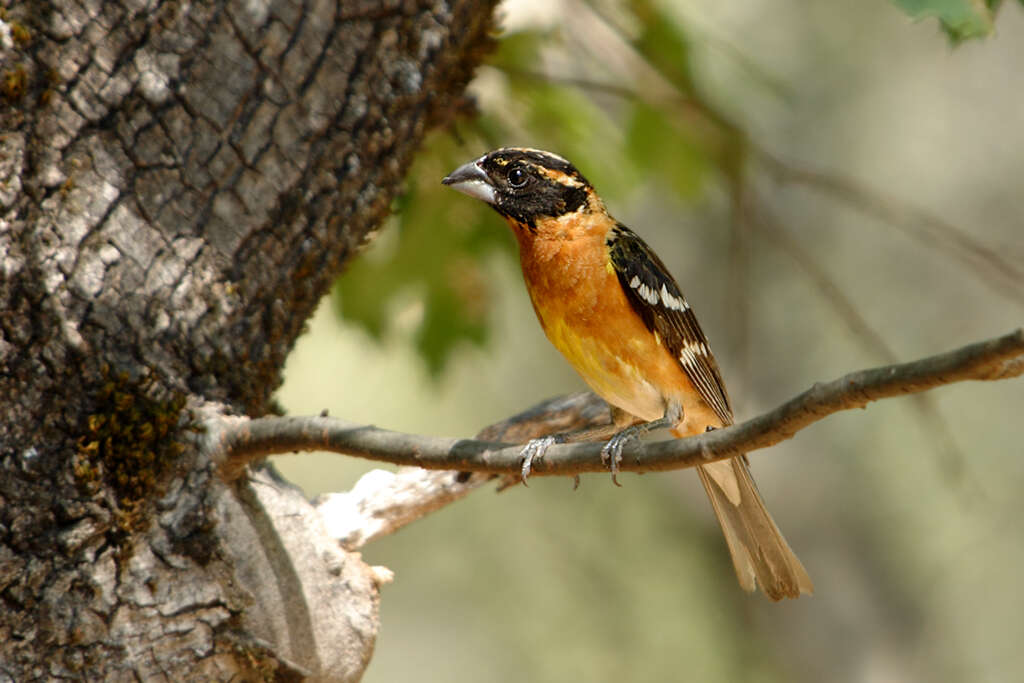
point(607, 302)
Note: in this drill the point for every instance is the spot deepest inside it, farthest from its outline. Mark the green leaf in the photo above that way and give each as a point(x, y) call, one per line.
point(561, 117)
point(960, 19)
point(670, 151)
point(664, 43)
point(521, 49)
point(565, 121)
point(431, 258)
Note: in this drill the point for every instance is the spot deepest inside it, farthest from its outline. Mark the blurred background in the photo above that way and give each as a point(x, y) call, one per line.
point(835, 186)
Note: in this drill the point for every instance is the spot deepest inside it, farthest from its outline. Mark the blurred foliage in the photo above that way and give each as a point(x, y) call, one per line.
point(960, 19)
point(542, 92)
point(431, 258)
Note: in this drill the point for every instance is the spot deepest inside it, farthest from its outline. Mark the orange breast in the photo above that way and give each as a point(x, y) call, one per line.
point(585, 314)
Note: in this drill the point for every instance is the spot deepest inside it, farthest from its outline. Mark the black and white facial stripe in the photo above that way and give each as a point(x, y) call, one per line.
point(523, 184)
point(655, 296)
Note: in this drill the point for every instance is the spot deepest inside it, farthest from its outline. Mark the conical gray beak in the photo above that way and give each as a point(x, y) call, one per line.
point(470, 179)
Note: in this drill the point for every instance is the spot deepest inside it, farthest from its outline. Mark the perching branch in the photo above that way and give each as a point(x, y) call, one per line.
point(382, 501)
point(951, 459)
point(239, 441)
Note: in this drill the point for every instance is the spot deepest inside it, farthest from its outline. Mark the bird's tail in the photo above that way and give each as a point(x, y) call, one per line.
point(759, 552)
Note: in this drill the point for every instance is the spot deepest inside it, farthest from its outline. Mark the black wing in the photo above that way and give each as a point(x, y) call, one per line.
point(655, 296)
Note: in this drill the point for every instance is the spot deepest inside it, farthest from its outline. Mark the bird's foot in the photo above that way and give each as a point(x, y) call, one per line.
point(534, 450)
point(611, 453)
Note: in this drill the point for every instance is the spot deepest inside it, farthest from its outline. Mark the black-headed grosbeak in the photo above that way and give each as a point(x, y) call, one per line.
point(607, 302)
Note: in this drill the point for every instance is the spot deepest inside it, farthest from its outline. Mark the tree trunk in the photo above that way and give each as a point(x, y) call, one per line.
point(179, 185)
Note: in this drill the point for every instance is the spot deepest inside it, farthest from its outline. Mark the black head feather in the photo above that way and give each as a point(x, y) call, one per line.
point(523, 184)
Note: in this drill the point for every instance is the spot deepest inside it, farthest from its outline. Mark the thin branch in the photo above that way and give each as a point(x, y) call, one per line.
point(740, 266)
point(953, 462)
point(382, 502)
point(236, 442)
point(1002, 275)
point(685, 104)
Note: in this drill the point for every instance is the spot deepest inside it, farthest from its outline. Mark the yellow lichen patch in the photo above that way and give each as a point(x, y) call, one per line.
point(15, 83)
point(21, 35)
point(128, 444)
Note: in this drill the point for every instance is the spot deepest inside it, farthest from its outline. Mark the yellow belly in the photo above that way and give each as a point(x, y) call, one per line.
point(618, 382)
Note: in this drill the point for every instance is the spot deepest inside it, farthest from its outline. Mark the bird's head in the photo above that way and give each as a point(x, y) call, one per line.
point(525, 185)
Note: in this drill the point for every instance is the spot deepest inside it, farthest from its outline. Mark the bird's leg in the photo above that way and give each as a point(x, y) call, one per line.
point(611, 454)
point(535, 448)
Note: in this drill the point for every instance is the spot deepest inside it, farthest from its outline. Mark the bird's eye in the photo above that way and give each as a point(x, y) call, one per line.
point(517, 176)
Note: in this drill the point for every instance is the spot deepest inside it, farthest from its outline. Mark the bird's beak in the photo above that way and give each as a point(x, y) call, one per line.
point(472, 180)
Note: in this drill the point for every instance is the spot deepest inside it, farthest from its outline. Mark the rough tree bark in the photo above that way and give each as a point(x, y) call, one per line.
point(179, 185)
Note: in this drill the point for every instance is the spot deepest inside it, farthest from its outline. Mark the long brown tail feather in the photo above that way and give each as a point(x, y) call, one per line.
point(759, 552)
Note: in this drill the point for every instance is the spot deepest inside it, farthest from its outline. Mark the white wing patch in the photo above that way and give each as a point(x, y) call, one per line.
point(654, 297)
point(676, 303)
point(693, 348)
point(649, 295)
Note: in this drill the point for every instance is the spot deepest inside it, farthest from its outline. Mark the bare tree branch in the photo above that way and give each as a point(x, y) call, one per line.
point(953, 462)
point(382, 502)
point(237, 442)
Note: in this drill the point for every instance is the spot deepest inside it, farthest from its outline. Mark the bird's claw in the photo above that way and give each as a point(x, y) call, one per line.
point(611, 453)
point(534, 449)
